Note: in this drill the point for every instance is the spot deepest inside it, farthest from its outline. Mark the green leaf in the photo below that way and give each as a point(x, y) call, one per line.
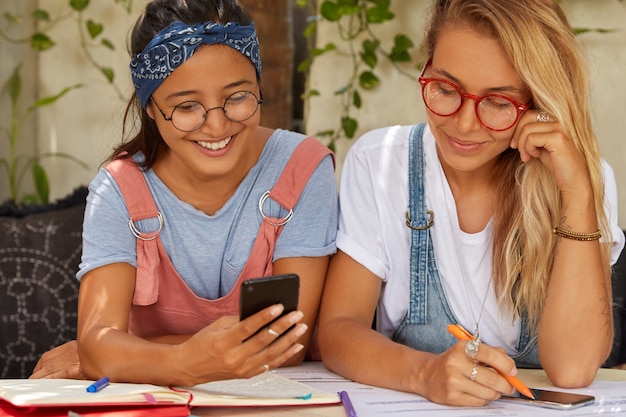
point(310, 29)
point(580, 31)
point(14, 85)
point(369, 58)
point(310, 93)
point(334, 11)
point(39, 41)
point(356, 100)
point(370, 45)
point(325, 133)
point(107, 44)
point(349, 126)
point(51, 99)
point(42, 184)
point(40, 14)
point(305, 65)
point(327, 48)
point(302, 3)
point(79, 5)
point(109, 73)
point(400, 50)
point(12, 18)
point(378, 14)
point(368, 80)
point(330, 11)
point(127, 4)
point(94, 28)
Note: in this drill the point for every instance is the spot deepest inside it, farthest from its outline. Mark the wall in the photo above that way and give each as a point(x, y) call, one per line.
point(87, 122)
point(397, 100)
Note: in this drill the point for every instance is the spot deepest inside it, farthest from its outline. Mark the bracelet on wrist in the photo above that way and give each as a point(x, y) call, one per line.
point(585, 237)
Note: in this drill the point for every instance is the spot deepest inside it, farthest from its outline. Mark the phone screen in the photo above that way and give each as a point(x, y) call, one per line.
point(259, 293)
point(553, 399)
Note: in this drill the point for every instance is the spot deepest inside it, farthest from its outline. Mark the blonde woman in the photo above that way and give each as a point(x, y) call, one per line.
point(498, 214)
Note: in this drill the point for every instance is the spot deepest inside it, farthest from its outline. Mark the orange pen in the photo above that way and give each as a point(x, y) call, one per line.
point(461, 334)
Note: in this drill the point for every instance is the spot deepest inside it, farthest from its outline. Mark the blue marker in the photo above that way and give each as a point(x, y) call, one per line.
point(98, 385)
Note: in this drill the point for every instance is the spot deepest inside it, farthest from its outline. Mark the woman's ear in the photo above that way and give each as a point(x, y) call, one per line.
point(150, 109)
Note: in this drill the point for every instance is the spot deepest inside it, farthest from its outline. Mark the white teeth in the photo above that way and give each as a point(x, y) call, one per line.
point(215, 145)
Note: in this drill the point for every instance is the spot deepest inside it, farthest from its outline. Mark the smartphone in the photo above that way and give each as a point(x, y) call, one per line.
point(258, 293)
point(552, 399)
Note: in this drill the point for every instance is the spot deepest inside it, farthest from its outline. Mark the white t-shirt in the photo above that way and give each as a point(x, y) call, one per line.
point(372, 230)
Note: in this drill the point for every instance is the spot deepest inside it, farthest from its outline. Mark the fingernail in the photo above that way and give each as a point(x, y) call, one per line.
point(301, 329)
point(277, 309)
point(297, 347)
point(296, 317)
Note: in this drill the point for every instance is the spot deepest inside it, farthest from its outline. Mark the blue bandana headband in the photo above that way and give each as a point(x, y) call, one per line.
point(175, 44)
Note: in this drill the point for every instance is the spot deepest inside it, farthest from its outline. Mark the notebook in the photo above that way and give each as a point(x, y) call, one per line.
point(35, 397)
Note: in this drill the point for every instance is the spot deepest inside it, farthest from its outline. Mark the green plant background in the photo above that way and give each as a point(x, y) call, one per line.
point(353, 86)
point(355, 22)
point(33, 30)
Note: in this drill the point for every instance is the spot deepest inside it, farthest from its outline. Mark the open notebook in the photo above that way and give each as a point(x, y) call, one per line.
point(38, 396)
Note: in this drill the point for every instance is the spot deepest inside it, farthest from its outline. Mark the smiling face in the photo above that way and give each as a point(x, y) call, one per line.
point(220, 147)
point(478, 65)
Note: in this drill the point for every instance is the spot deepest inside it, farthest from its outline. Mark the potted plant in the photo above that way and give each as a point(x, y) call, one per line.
point(40, 242)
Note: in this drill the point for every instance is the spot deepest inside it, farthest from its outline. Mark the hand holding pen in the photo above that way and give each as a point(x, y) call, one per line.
point(472, 348)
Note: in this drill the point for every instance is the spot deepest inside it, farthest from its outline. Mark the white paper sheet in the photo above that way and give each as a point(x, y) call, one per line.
point(370, 401)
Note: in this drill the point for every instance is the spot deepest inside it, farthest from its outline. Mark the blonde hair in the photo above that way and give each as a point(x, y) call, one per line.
point(548, 59)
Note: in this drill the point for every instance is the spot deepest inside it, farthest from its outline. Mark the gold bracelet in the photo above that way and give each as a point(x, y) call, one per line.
point(585, 237)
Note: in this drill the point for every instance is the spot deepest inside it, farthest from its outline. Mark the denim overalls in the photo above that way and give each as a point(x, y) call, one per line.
point(425, 325)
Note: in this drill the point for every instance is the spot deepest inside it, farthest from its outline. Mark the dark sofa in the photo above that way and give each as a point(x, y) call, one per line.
point(40, 249)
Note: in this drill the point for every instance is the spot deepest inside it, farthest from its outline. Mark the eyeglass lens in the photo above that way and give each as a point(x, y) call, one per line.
point(238, 107)
point(445, 99)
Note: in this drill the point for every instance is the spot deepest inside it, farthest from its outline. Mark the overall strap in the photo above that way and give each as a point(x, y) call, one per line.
point(286, 191)
point(141, 206)
point(419, 220)
point(303, 162)
point(135, 191)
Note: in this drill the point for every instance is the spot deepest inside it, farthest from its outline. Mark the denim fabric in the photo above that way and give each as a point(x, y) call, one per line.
point(425, 326)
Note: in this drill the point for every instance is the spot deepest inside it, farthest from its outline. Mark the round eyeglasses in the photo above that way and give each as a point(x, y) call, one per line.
point(191, 115)
point(494, 111)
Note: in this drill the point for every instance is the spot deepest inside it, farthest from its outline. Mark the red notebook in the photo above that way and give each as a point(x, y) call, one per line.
point(173, 410)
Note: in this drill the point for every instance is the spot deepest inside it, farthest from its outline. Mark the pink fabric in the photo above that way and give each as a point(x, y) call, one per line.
point(163, 303)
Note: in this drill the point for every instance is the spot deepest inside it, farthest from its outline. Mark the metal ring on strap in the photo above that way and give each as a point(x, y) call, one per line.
point(280, 223)
point(431, 220)
point(137, 233)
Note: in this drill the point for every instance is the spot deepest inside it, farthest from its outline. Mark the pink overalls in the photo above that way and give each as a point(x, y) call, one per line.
point(163, 303)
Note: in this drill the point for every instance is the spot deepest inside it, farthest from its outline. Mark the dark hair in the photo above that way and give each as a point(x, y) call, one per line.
point(157, 16)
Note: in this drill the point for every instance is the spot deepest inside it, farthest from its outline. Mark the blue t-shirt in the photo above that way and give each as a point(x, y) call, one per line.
point(209, 252)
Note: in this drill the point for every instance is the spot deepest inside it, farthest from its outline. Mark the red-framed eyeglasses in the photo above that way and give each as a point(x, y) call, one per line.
point(494, 111)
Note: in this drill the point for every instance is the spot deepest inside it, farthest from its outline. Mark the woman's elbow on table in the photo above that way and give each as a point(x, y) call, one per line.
point(573, 376)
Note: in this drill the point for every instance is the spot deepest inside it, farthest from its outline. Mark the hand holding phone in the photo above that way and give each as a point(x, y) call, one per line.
point(259, 293)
